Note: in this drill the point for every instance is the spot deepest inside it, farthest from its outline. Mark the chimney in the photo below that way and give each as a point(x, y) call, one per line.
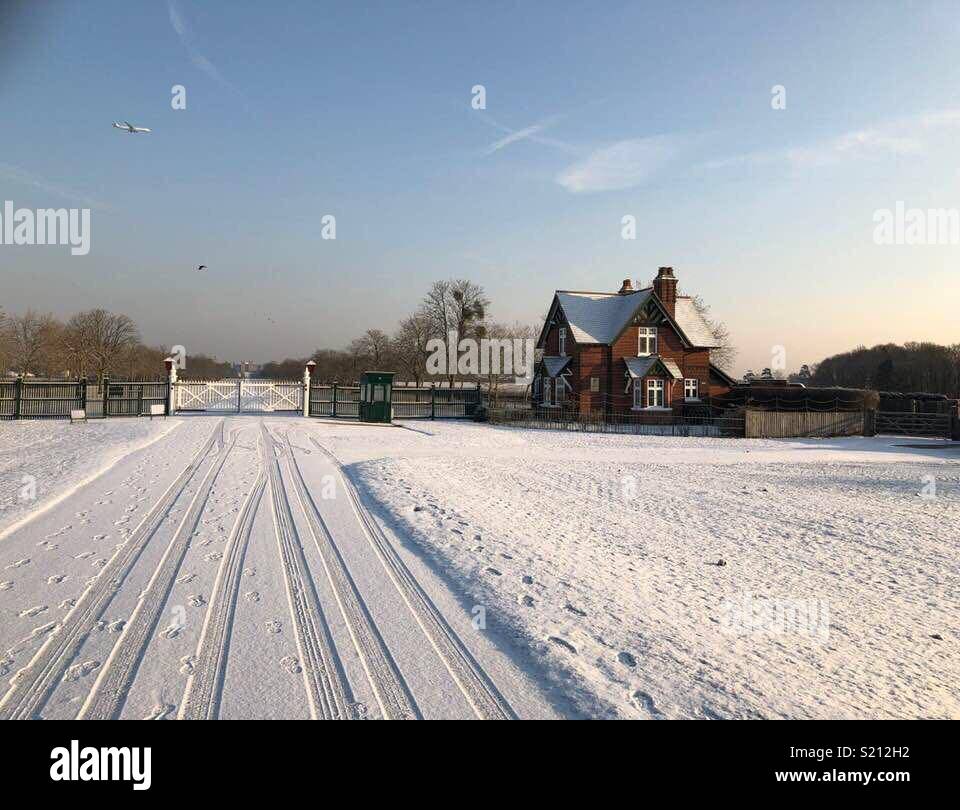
point(665, 286)
point(627, 287)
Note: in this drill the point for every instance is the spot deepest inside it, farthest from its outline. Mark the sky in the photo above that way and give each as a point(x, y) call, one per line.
point(593, 112)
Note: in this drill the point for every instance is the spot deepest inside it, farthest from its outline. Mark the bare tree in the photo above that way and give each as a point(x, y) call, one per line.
point(410, 346)
point(104, 337)
point(725, 353)
point(31, 340)
point(373, 346)
point(458, 306)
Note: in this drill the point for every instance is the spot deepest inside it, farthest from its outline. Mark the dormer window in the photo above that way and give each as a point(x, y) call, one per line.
point(563, 341)
point(647, 342)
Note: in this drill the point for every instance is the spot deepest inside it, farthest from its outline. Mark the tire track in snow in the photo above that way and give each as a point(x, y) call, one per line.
point(393, 694)
point(32, 686)
point(476, 685)
point(109, 692)
point(328, 691)
point(201, 699)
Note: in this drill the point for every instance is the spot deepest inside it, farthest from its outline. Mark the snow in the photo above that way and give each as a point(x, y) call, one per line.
point(44, 461)
point(472, 570)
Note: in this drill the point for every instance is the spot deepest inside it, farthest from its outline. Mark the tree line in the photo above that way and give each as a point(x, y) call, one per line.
point(92, 344)
point(914, 367)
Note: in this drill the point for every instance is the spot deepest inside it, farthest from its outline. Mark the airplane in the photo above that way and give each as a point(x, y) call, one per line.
point(128, 127)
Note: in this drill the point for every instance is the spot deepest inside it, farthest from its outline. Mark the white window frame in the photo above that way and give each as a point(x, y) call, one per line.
point(646, 341)
point(637, 395)
point(561, 394)
point(656, 385)
point(547, 387)
point(563, 341)
point(691, 383)
point(594, 385)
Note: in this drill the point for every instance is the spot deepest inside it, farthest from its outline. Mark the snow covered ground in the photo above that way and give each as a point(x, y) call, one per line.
point(284, 567)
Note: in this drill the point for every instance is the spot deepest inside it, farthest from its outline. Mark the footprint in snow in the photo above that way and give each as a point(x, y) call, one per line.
point(56, 579)
point(495, 572)
point(252, 596)
point(66, 604)
point(196, 600)
point(187, 663)
point(527, 579)
point(6, 585)
point(576, 611)
point(527, 601)
point(214, 556)
point(172, 631)
point(36, 610)
point(291, 664)
point(643, 701)
point(627, 659)
point(161, 711)
point(77, 671)
point(563, 643)
point(273, 627)
point(48, 545)
point(83, 555)
point(5, 664)
point(186, 578)
point(249, 572)
point(20, 563)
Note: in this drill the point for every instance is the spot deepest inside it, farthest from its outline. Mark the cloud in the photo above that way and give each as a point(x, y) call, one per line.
point(17, 175)
point(900, 137)
point(531, 133)
point(187, 39)
point(621, 165)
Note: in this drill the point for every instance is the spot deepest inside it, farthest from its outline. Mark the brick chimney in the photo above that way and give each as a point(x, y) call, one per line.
point(665, 286)
point(627, 287)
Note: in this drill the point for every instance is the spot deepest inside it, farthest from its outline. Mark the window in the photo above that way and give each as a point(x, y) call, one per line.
point(648, 341)
point(561, 391)
point(595, 385)
point(654, 393)
point(546, 391)
point(563, 341)
point(691, 388)
point(637, 395)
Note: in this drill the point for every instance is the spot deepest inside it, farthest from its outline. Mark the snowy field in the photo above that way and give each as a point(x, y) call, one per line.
point(283, 567)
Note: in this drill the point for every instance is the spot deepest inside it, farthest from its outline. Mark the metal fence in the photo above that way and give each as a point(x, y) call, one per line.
point(651, 424)
point(343, 402)
point(55, 399)
point(899, 423)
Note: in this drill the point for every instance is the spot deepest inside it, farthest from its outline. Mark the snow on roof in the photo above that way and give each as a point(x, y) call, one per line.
point(555, 365)
point(693, 324)
point(640, 366)
point(599, 317)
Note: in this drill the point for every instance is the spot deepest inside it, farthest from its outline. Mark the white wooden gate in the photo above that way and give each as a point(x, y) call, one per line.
point(255, 396)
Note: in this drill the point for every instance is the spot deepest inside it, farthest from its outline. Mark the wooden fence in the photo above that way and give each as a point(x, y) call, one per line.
point(55, 399)
point(794, 424)
point(914, 424)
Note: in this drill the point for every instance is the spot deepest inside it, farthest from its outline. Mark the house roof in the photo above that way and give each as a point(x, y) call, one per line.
point(599, 317)
point(639, 367)
point(555, 365)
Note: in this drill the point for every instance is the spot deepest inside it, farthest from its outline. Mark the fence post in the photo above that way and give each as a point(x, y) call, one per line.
point(106, 397)
point(306, 387)
point(869, 422)
point(333, 404)
point(17, 396)
point(433, 401)
point(83, 394)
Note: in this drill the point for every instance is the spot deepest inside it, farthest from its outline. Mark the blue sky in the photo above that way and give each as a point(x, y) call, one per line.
point(593, 111)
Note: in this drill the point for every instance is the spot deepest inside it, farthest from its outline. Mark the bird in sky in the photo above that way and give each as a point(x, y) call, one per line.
point(201, 267)
point(126, 126)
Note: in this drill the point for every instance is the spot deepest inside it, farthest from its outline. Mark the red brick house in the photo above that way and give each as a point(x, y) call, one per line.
point(633, 350)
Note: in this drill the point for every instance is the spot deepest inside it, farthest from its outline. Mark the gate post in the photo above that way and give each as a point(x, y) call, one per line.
point(433, 400)
point(18, 396)
point(333, 405)
point(83, 394)
point(307, 374)
point(239, 392)
point(106, 397)
point(869, 422)
point(170, 406)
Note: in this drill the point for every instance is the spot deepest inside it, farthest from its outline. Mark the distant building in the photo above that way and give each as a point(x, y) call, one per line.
point(632, 350)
